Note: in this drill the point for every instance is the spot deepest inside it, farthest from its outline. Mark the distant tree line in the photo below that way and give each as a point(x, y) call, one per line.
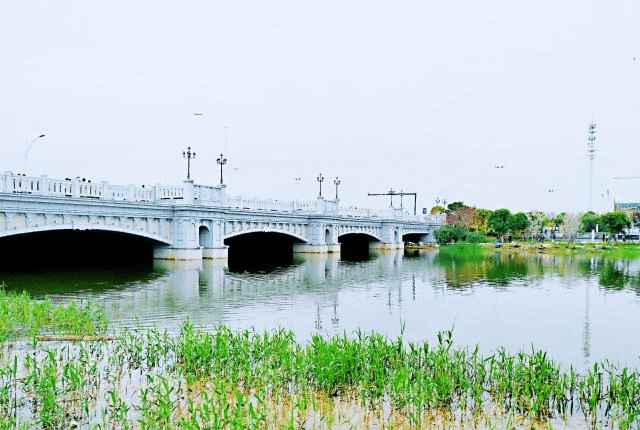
point(473, 224)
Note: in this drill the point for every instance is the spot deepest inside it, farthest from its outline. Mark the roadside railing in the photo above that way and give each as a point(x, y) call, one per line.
point(190, 194)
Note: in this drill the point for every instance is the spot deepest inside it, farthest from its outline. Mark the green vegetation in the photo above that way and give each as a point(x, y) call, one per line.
point(22, 316)
point(225, 379)
point(615, 222)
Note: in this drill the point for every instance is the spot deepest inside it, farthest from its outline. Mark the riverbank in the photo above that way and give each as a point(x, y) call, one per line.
point(616, 249)
point(231, 379)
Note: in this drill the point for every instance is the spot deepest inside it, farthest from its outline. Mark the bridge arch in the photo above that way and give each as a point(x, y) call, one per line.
point(260, 250)
point(293, 236)
point(205, 238)
point(371, 236)
point(62, 247)
point(88, 227)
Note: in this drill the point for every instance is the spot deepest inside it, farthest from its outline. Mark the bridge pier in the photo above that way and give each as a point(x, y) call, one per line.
point(322, 239)
point(390, 236)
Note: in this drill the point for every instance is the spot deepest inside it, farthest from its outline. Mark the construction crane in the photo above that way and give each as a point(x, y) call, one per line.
point(392, 193)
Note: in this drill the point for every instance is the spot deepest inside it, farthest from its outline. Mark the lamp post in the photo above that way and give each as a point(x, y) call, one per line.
point(26, 152)
point(320, 179)
point(188, 155)
point(336, 181)
point(226, 151)
point(221, 161)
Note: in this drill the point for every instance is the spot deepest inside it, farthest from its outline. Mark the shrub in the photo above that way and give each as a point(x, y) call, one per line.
point(476, 237)
point(449, 233)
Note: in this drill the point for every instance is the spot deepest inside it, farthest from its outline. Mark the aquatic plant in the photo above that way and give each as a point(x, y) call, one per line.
point(236, 379)
point(20, 315)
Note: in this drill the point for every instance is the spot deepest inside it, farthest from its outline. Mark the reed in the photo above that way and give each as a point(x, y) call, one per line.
point(226, 379)
point(21, 316)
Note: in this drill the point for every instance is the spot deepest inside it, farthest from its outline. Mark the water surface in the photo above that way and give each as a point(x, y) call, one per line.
point(580, 309)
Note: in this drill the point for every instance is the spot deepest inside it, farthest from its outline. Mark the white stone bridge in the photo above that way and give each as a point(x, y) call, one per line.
point(190, 221)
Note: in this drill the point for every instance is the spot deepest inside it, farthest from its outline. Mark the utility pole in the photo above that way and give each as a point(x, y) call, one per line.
point(388, 193)
point(401, 193)
point(591, 151)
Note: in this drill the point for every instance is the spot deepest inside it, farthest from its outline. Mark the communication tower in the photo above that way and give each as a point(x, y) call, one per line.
point(591, 151)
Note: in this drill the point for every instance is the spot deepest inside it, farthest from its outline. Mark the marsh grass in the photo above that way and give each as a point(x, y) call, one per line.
point(21, 316)
point(226, 379)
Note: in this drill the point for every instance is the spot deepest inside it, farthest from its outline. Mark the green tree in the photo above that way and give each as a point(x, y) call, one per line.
point(452, 207)
point(518, 223)
point(436, 210)
point(498, 221)
point(559, 219)
point(588, 221)
point(615, 222)
point(481, 216)
point(448, 233)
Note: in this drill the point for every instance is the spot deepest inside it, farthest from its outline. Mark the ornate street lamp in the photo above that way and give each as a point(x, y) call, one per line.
point(320, 179)
point(336, 181)
point(221, 161)
point(188, 155)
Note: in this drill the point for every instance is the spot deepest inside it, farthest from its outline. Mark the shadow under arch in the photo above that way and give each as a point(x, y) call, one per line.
point(64, 248)
point(260, 251)
point(355, 246)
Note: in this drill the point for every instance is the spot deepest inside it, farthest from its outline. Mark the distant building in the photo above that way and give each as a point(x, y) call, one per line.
point(627, 207)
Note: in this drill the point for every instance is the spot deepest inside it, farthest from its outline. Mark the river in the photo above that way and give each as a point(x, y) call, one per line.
point(579, 309)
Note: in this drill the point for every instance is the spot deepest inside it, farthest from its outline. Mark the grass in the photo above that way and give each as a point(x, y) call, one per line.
point(225, 379)
point(21, 316)
point(239, 379)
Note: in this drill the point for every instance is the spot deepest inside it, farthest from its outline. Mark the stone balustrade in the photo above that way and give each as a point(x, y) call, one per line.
point(188, 194)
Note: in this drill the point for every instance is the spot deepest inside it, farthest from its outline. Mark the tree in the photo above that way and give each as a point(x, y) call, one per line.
point(498, 221)
point(559, 219)
point(481, 216)
point(588, 221)
point(536, 221)
point(518, 223)
point(436, 210)
point(448, 233)
point(571, 227)
point(615, 222)
point(452, 207)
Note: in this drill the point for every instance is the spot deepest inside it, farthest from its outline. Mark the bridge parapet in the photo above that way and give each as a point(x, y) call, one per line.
point(188, 193)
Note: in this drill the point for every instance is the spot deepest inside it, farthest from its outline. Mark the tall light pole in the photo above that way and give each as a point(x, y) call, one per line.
point(336, 181)
point(226, 149)
point(320, 179)
point(591, 151)
point(221, 161)
point(188, 155)
point(26, 152)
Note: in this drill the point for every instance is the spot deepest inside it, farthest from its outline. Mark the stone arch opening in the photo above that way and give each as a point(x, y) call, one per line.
point(415, 238)
point(260, 251)
point(327, 236)
point(204, 237)
point(72, 249)
point(355, 246)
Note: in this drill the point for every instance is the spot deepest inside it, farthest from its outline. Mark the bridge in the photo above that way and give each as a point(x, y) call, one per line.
point(192, 222)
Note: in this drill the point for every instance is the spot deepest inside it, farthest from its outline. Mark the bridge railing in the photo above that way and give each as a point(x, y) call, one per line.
point(189, 193)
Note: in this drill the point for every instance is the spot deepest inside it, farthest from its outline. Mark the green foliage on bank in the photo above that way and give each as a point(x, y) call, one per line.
point(22, 316)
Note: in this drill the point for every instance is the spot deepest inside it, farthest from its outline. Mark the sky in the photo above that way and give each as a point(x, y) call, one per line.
point(415, 95)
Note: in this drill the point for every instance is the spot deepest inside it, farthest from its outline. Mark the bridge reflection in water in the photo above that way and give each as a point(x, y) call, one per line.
point(206, 292)
point(566, 305)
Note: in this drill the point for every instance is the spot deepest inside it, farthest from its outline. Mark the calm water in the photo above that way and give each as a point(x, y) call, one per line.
point(579, 309)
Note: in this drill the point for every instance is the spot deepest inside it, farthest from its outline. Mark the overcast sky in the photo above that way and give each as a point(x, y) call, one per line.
point(417, 95)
